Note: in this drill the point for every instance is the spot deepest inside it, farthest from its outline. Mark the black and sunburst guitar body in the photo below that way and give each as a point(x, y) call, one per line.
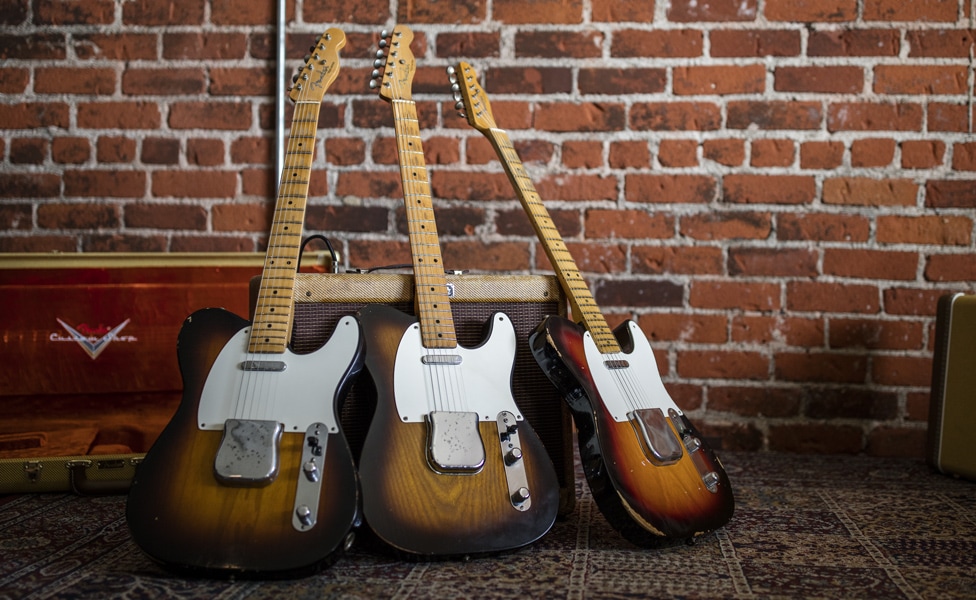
point(253, 475)
point(650, 471)
point(449, 467)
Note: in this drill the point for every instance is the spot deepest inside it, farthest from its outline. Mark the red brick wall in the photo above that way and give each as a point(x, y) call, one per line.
point(778, 191)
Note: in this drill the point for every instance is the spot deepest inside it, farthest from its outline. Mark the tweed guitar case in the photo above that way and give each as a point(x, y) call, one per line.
point(322, 299)
point(952, 407)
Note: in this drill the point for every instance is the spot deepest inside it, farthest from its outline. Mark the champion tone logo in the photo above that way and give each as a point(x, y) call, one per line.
point(93, 341)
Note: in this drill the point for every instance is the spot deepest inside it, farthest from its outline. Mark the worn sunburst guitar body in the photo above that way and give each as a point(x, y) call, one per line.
point(650, 472)
point(253, 474)
point(449, 467)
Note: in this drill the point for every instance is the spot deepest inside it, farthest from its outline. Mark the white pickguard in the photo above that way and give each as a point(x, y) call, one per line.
point(630, 388)
point(481, 383)
point(298, 396)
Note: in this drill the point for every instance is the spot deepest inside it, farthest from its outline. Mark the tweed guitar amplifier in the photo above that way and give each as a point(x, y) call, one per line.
point(322, 299)
point(952, 407)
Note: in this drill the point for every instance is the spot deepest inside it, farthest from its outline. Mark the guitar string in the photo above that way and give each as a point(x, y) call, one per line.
point(626, 381)
point(445, 381)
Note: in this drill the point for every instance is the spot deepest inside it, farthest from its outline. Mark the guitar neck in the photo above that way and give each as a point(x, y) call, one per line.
point(582, 305)
point(432, 300)
point(273, 313)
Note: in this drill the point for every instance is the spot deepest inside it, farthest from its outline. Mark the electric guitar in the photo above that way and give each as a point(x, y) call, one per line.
point(449, 467)
point(253, 473)
point(650, 472)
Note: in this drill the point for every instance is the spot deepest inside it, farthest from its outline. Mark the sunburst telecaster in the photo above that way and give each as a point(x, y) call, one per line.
point(253, 473)
point(651, 474)
point(449, 467)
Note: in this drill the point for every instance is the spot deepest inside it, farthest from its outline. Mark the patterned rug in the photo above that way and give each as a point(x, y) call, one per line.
point(804, 527)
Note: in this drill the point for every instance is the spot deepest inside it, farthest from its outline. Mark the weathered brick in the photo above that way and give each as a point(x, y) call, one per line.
point(210, 115)
point(896, 442)
point(627, 224)
point(693, 328)
point(854, 42)
point(160, 151)
point(70, 150)
point(769, 189)
point(725, 151)
point(617, 291)
point(917, 10)
point(954, 43)
point(748, 43)
point(821, 155)
point(214, 45)
point(123, 46)
point(194, 184)
point(901, 370)
point(872, 116)
point(528, 80)
point(477, 254)
point(241, 82)
point(559, 44)
point(28, 151)
point(166, 216)
point(761, 296)
point(870, 264)
point(16, 217)
point(205, 152)
point(876, 335)
point(629, 154)
point(38, 46)
point(942, 230)
point(110, 184)
point(123, 243)
point(695, 260)
point(35, 115)
point(365, 11)
point(773, 262)
point(722, 364)
point(588, 116)
point(371, 184)
point(119, 115)
point(458, 185)
point(242, 217)
point(682, 189)
point(626, 80)
point(922, 154)
point(764, 401)
point(68, 80)
point(854, 403)
point(712, 10)
point(820, 367)
point(772, 153)
point(13, 80)
point(39, 243)
point(825, 227)
point(911, 302)
point(678, 153)
point(791, 331)
point(74, 12)
point(861, 191)
point(469, 44)
point(964, 156)
point(823, 80)
point(78, 216)
point(670, 43)
point(807, 296)
point(29, 185)
point(515, 12)
point(720, 79)
point(577, 187)
point(347, 218)
point(872, 152)
point(112, 149)
point(675, 116)
point(14, 12)
point(950, 267)
point(743, 225)
point(163, 12)
point(927, 79)
point(582, 154)
point(774, 115)
point(452, 220)
point(623, 11)
point(950, 193)
point(816, 11)
point(516, 223)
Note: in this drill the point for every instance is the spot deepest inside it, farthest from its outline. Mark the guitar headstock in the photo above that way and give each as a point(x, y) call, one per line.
point(321, 68)
point(395, 65)
point(472, 101)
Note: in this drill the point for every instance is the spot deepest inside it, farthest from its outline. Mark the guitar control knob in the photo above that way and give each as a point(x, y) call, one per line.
point(304, 514)
point(311, 471)
point(520, 495)
point(513, 456)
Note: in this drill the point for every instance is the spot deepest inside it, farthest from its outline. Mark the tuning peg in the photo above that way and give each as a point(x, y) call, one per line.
point(384, 34)
point(459, 106)
point(373, 84)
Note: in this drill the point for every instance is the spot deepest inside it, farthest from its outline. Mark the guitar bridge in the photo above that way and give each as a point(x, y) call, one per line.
point(248, 453)
point(454, 442)
point(660, 444)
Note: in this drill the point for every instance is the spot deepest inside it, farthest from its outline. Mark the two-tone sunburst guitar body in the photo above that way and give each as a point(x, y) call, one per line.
point(449, 467)
point(650, 472)
point(253, 474)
